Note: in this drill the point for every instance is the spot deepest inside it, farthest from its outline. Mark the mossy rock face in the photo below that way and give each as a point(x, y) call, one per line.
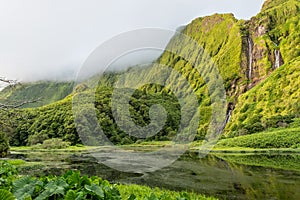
point(274, 92)
point(275, 28)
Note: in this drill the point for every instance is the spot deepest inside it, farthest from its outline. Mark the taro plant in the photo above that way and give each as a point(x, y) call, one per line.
point(8, 174)
point(4, 194)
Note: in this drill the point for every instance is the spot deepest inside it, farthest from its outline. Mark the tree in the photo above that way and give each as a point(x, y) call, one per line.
point(7, 110)
point(4, 147)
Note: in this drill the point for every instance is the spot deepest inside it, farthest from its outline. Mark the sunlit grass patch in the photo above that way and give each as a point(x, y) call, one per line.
point(140, 192)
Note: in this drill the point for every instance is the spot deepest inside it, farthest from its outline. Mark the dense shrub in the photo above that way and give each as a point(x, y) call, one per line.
point(4, 146)
point(54, 143)
point(8, 173)
point(278, 120)
point(38, 138)
point(254, 128)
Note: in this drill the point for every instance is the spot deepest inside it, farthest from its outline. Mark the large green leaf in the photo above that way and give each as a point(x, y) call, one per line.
point(25, 187)
point(95, 189)
point(151, 197)
point(73, 195)
point(111, 192)
point(132, 197)
point(6, 195)
point(73, 179)
point(55, 187)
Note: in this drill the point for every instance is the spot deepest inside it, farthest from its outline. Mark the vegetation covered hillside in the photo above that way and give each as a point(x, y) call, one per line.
point(56, 120)
point(275, 101)
point(47, 91)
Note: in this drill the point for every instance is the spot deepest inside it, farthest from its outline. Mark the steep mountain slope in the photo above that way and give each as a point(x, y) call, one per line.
point(257, 59)
point(48, 92)
point(220, 36)
point(276, 40)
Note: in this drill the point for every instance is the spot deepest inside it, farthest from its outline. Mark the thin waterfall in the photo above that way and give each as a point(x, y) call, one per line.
point(228, 116)
point(277, 59)
point(250, 59)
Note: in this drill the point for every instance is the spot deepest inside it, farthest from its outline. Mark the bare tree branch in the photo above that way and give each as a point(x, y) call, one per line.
point(12, 106)
point(8, 81)
point(6, 106)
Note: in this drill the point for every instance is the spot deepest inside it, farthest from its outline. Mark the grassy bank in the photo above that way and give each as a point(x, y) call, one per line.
point(139, 192)
point(271, 139)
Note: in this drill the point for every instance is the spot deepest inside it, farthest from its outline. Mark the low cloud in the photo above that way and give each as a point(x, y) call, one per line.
point(51, 39)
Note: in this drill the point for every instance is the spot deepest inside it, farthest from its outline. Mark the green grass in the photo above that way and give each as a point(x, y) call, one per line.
point(16, 162)
point(278, 138)
point(219, 149)
point(140, 191)
point(68, 149)
point(151, 143)
point(276, 161)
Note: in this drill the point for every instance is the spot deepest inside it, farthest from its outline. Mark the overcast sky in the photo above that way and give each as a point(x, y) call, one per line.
point(52, 38)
